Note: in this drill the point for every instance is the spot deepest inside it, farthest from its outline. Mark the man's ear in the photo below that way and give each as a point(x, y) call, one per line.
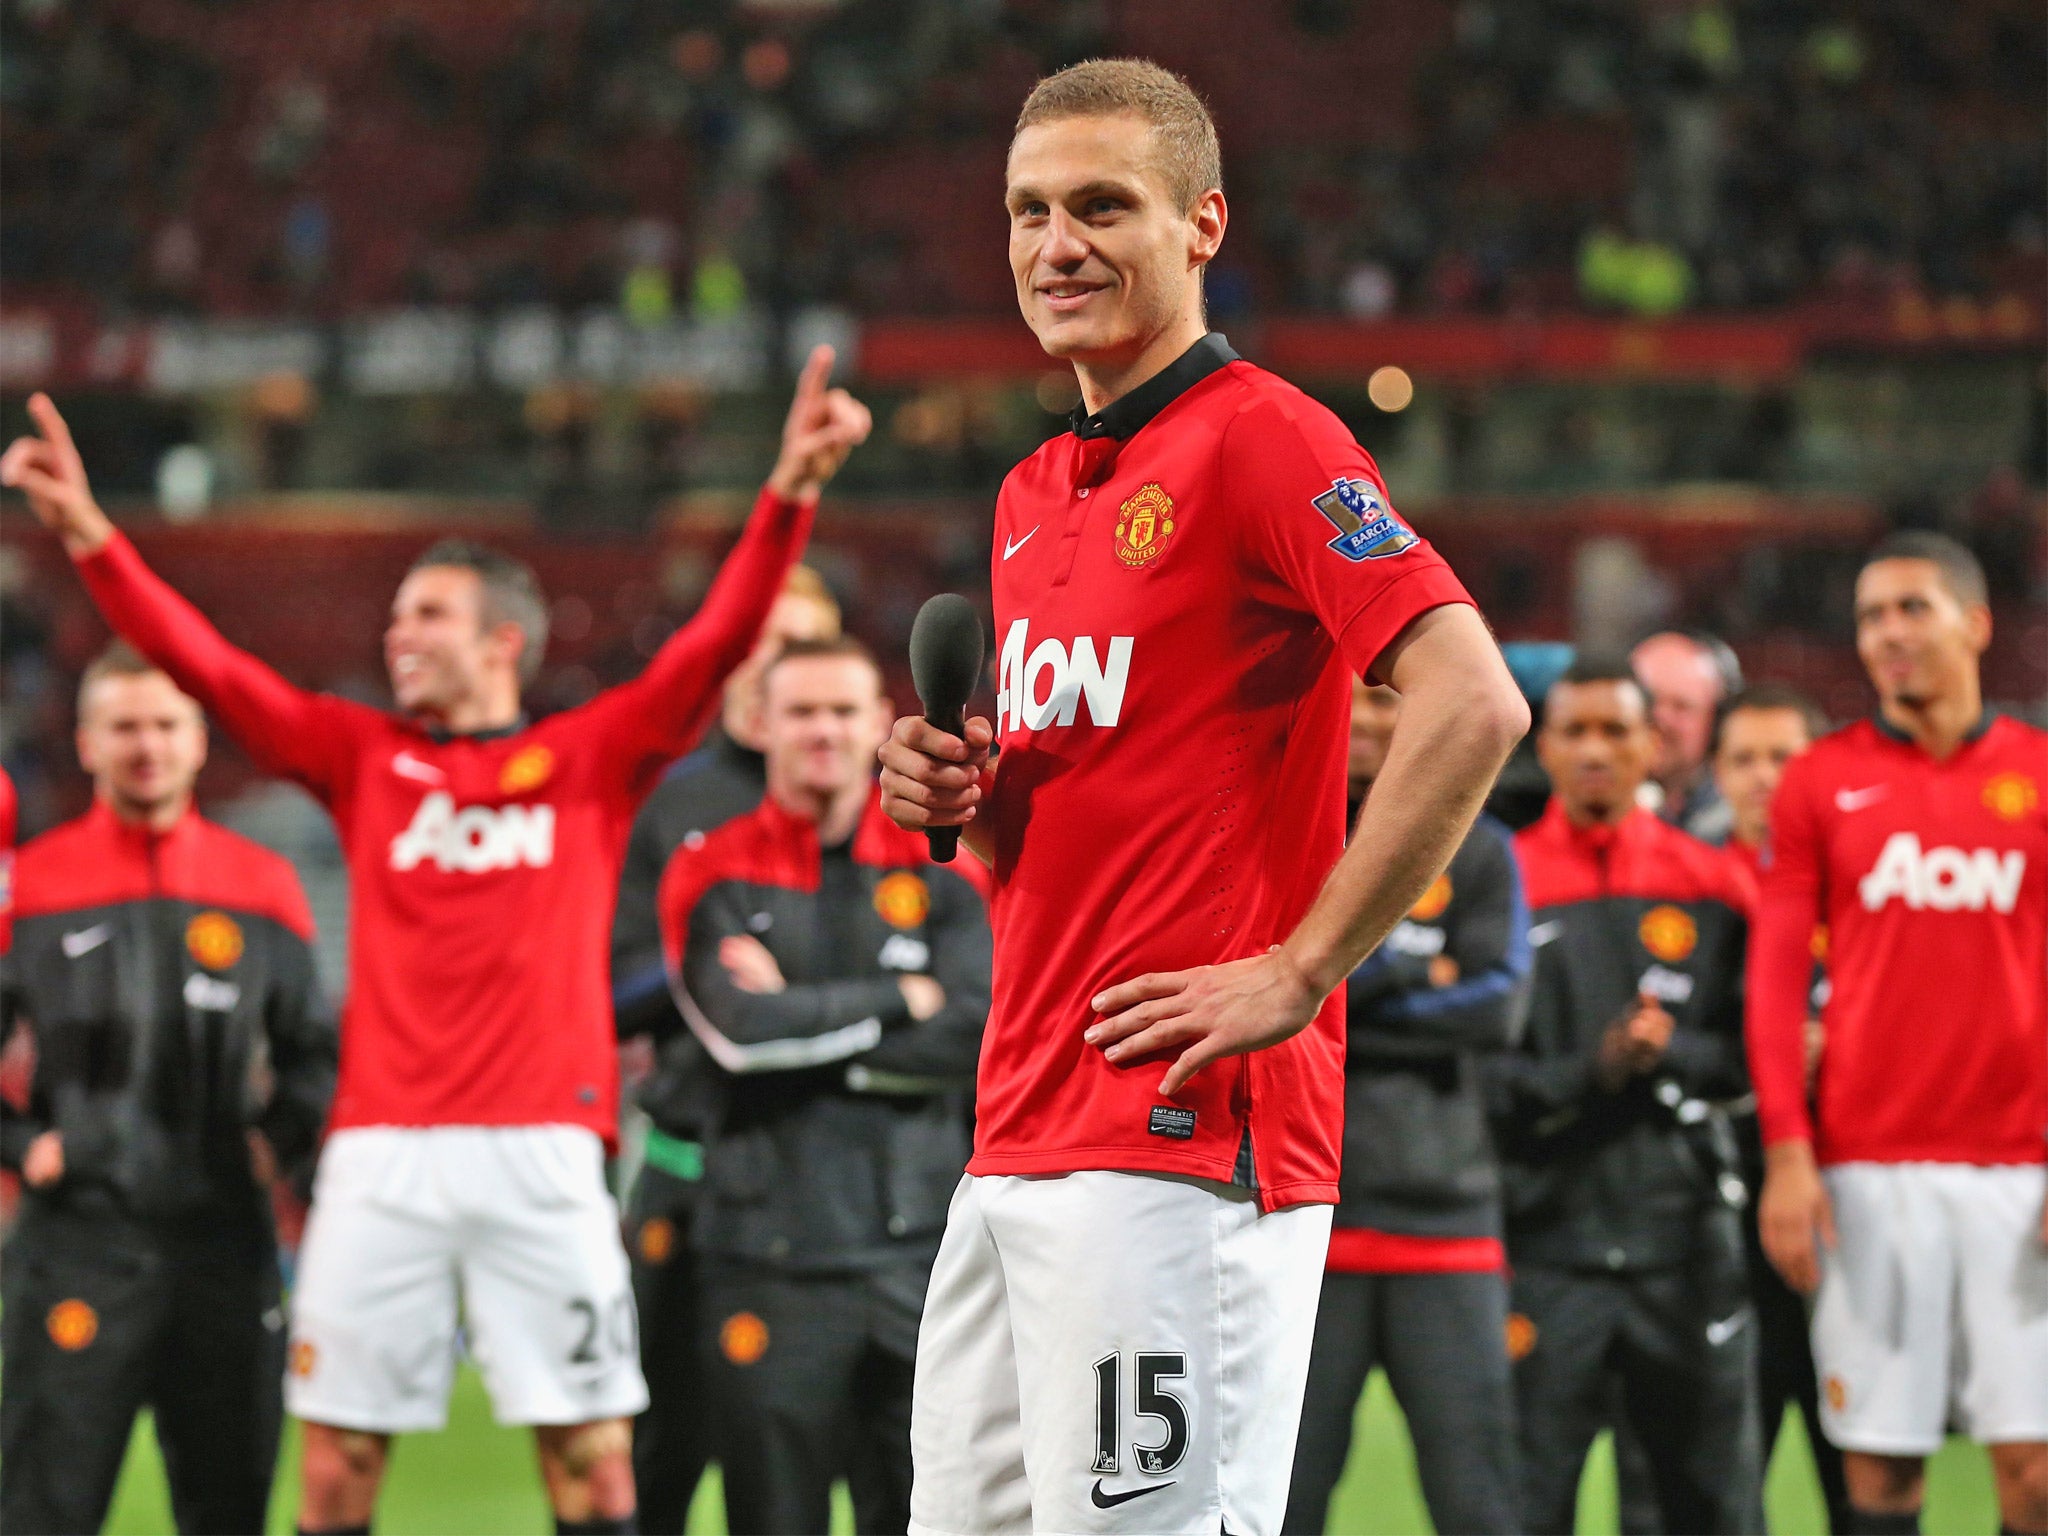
point(509, 641)
point(1208, 220)
point(1977, 625)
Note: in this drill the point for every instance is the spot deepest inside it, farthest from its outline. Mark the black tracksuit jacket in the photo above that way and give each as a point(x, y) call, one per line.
point(170, 984)
point(836, 1135)
point(1418, 1158)
point(1618, 1181)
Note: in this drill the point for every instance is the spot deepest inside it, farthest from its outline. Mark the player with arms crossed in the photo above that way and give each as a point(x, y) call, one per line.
point(1118, 1328)
point(479, 1078)
point(1920, 837)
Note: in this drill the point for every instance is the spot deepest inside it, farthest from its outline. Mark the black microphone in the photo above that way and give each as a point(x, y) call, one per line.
point(945, 664)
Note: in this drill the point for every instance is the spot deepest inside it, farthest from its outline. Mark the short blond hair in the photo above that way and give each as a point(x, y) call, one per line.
point(1182, 128)
point(806, 583)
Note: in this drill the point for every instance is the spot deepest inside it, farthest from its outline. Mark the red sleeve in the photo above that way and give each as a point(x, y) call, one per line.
point(1781, 960)
point(287, 730)
point(658, 716)
point(1279, 461)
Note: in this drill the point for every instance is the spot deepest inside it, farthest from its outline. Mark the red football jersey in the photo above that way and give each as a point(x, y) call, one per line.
point(1183, 589)
point(482, 869)
point(1932, 879)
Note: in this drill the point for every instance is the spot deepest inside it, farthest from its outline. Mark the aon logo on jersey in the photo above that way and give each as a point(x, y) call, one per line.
point(477, 838)
point(1946, 879)
point(1050, 684)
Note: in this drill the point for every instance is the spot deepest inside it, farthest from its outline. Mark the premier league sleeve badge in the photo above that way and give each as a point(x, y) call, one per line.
point(1366, 528)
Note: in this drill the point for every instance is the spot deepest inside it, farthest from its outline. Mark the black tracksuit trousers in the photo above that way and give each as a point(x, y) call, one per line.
point(1442, 1340)
point(100, 1324)
point(1682, 1344)
point(808, 1376)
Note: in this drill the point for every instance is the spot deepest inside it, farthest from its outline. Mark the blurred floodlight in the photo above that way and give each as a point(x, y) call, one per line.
point(184, 482)
point(1390, 388)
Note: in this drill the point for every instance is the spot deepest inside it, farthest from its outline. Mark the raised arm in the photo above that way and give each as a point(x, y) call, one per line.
point(287, 730)
point(659, 715)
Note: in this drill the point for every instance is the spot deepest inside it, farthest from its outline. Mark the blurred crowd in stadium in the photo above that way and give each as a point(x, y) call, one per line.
point(1659, 315)
point(1475, 158)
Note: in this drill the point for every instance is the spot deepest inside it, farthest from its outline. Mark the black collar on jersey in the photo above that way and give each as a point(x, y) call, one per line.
point(1886, 728)
point(441, 735)
point(1123, 418)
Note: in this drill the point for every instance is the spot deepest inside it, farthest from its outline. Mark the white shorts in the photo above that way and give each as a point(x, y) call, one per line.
point(1933, 1308)
point(508, 1231)
point(1108, 1352)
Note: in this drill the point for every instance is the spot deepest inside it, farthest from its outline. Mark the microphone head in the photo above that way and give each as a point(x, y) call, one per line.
point(946, 653)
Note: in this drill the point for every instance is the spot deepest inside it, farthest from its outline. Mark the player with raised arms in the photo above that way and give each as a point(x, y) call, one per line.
point(1118, 1328)
point(479, 1079)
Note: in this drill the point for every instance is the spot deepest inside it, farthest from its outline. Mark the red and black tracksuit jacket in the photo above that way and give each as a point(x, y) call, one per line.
point(169, 982)
point(838, 1134)
point(1617, 1180)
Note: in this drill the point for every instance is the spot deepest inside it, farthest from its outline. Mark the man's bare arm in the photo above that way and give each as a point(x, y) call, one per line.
point(1461, 716)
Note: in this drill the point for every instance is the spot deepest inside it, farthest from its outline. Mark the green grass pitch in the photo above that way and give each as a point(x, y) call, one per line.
point(478, 1478)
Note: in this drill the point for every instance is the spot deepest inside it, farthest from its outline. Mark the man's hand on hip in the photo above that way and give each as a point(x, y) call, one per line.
point(1206, 1014)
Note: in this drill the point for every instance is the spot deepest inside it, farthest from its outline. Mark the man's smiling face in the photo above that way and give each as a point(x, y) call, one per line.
point(1105, 259)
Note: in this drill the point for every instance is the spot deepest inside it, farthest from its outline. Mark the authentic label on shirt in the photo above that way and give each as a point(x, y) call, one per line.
point(1169, 1120)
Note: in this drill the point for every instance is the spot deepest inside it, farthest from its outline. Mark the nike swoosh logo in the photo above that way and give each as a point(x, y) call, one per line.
point(1542, 933)
point(1720, 1333)
point(406, 766)
point(1856, 799)
point(1010, 549)
point(86, 940)
point(1103, 1500)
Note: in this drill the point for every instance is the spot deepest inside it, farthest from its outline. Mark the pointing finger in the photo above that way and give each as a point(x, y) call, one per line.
point(810, 384)
point(44, 409)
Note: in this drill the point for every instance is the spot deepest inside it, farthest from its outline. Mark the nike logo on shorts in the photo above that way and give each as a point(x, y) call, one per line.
point(1542, 933)
point(85, 940)
point(1103, 1500)
point(1010, 549)
point(1857, 799)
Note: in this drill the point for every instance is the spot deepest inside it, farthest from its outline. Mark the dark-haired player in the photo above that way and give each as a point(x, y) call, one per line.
point(1622, 1198)
point(1119, 1321)
point(1912, 1196)
point(479, 1077)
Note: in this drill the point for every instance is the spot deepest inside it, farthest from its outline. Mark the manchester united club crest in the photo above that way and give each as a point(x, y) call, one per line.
point(1143, 525)
point(902, 900)
point(72, 1325)
point(2011, 796)
point(1668, 933)
point(1433, 902)
point(214, 940)
point(528, 768)
point(1366, 528)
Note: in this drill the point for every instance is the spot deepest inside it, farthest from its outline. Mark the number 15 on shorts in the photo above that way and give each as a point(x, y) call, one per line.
point(1152, 1399)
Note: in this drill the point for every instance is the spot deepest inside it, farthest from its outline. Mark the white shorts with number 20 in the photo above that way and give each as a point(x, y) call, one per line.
point(507, 1231)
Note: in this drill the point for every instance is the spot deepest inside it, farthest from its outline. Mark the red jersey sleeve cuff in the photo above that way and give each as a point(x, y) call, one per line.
point(1393, 608)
